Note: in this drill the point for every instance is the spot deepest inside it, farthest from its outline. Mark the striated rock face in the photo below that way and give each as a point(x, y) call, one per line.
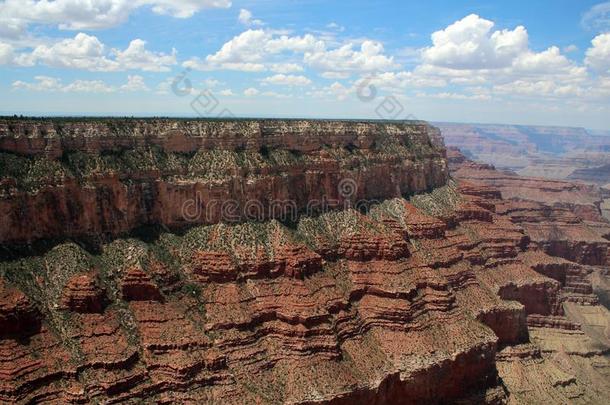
point(94, 178)
point(83, 294)
point(563, 219)
point(138, 286)
point(446, 296)
point(18, 317)
point(549, 152)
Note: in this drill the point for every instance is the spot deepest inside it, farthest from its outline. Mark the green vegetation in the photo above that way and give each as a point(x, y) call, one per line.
point(438, 202)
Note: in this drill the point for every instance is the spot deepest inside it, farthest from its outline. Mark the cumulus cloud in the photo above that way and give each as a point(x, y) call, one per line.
point(549, 62)
point(6, 54)
point(257, 50)
point(90, 14)
point(306, 43)
point(81, 52)
point(370, 57)
point(42, 83)
point(285, 67)
point(88, 53)
point(245, 47)
point(598, 56)
point(470, 52)
point(287, 80)
point(275, 95)
point(88, 86)
point(54, 84)
point(335, 75)
point(135, 83)
point(470, 44)
point(245, 17)
point(136, 56)
point(251, 92)
point(339, 90)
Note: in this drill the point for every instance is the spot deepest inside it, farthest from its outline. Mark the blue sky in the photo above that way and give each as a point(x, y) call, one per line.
point(534, 62)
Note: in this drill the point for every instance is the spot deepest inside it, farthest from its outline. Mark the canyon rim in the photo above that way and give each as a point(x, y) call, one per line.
point(416, 276)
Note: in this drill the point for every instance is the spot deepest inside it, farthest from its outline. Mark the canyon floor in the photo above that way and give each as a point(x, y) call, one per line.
point(459, 284)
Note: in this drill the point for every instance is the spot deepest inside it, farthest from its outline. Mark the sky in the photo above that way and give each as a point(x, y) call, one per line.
point(533, 62)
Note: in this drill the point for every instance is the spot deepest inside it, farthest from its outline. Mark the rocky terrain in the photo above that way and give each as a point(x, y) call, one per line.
point(90, 178)
point(535, 151)
point(474, 287)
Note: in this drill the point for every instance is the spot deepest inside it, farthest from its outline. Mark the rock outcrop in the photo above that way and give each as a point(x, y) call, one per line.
point(440, 291)
point(91, 178)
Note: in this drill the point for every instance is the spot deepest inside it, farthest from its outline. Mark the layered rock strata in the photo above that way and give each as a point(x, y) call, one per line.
point(106, 178)
point(438, 297)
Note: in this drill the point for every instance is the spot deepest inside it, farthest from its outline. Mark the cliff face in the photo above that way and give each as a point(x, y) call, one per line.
point(77, 179)
point(429, 298)
point(561, 153)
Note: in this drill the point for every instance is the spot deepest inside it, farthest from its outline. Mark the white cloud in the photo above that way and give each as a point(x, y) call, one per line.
point(339, 90)
point(42, 83)
point(251, 92)
point(135, 83)
point(597, 17)
point(275, 95)
point(287, 80)
point(570, 48)
point(12, 28)
point(470, 44)
point(547, 88)
point(470, 53)
point(306, 43)
point(210, 83)
point(81, 52)
point(285, 67)
point(402, 80)
point(336, 27)
point(164, 87)
point(249, 50)
point(370, 57)
point(88, 86)
point(259, 50)
point(245, 17)
point(6, 54)
point(90, 14)
point(88, 53)
point(136, 56)
point(335, 75)
point(245, 47)
point(549, 62)
point(598, 56)
point(455, 96)
point(53, 84)
point(226, 92)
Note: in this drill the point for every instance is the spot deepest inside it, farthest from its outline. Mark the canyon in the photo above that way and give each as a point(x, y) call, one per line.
point(394, 269)
point(561, 153)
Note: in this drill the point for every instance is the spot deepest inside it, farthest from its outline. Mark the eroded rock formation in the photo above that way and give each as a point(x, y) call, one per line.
point(429, 296)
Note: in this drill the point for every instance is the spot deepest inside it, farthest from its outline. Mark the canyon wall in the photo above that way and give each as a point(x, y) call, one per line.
point(442, 291)
point(535, 151)
point(105, 178)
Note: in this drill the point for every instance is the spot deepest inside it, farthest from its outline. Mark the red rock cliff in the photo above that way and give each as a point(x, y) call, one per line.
point(438, 297)
point(83, 178)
